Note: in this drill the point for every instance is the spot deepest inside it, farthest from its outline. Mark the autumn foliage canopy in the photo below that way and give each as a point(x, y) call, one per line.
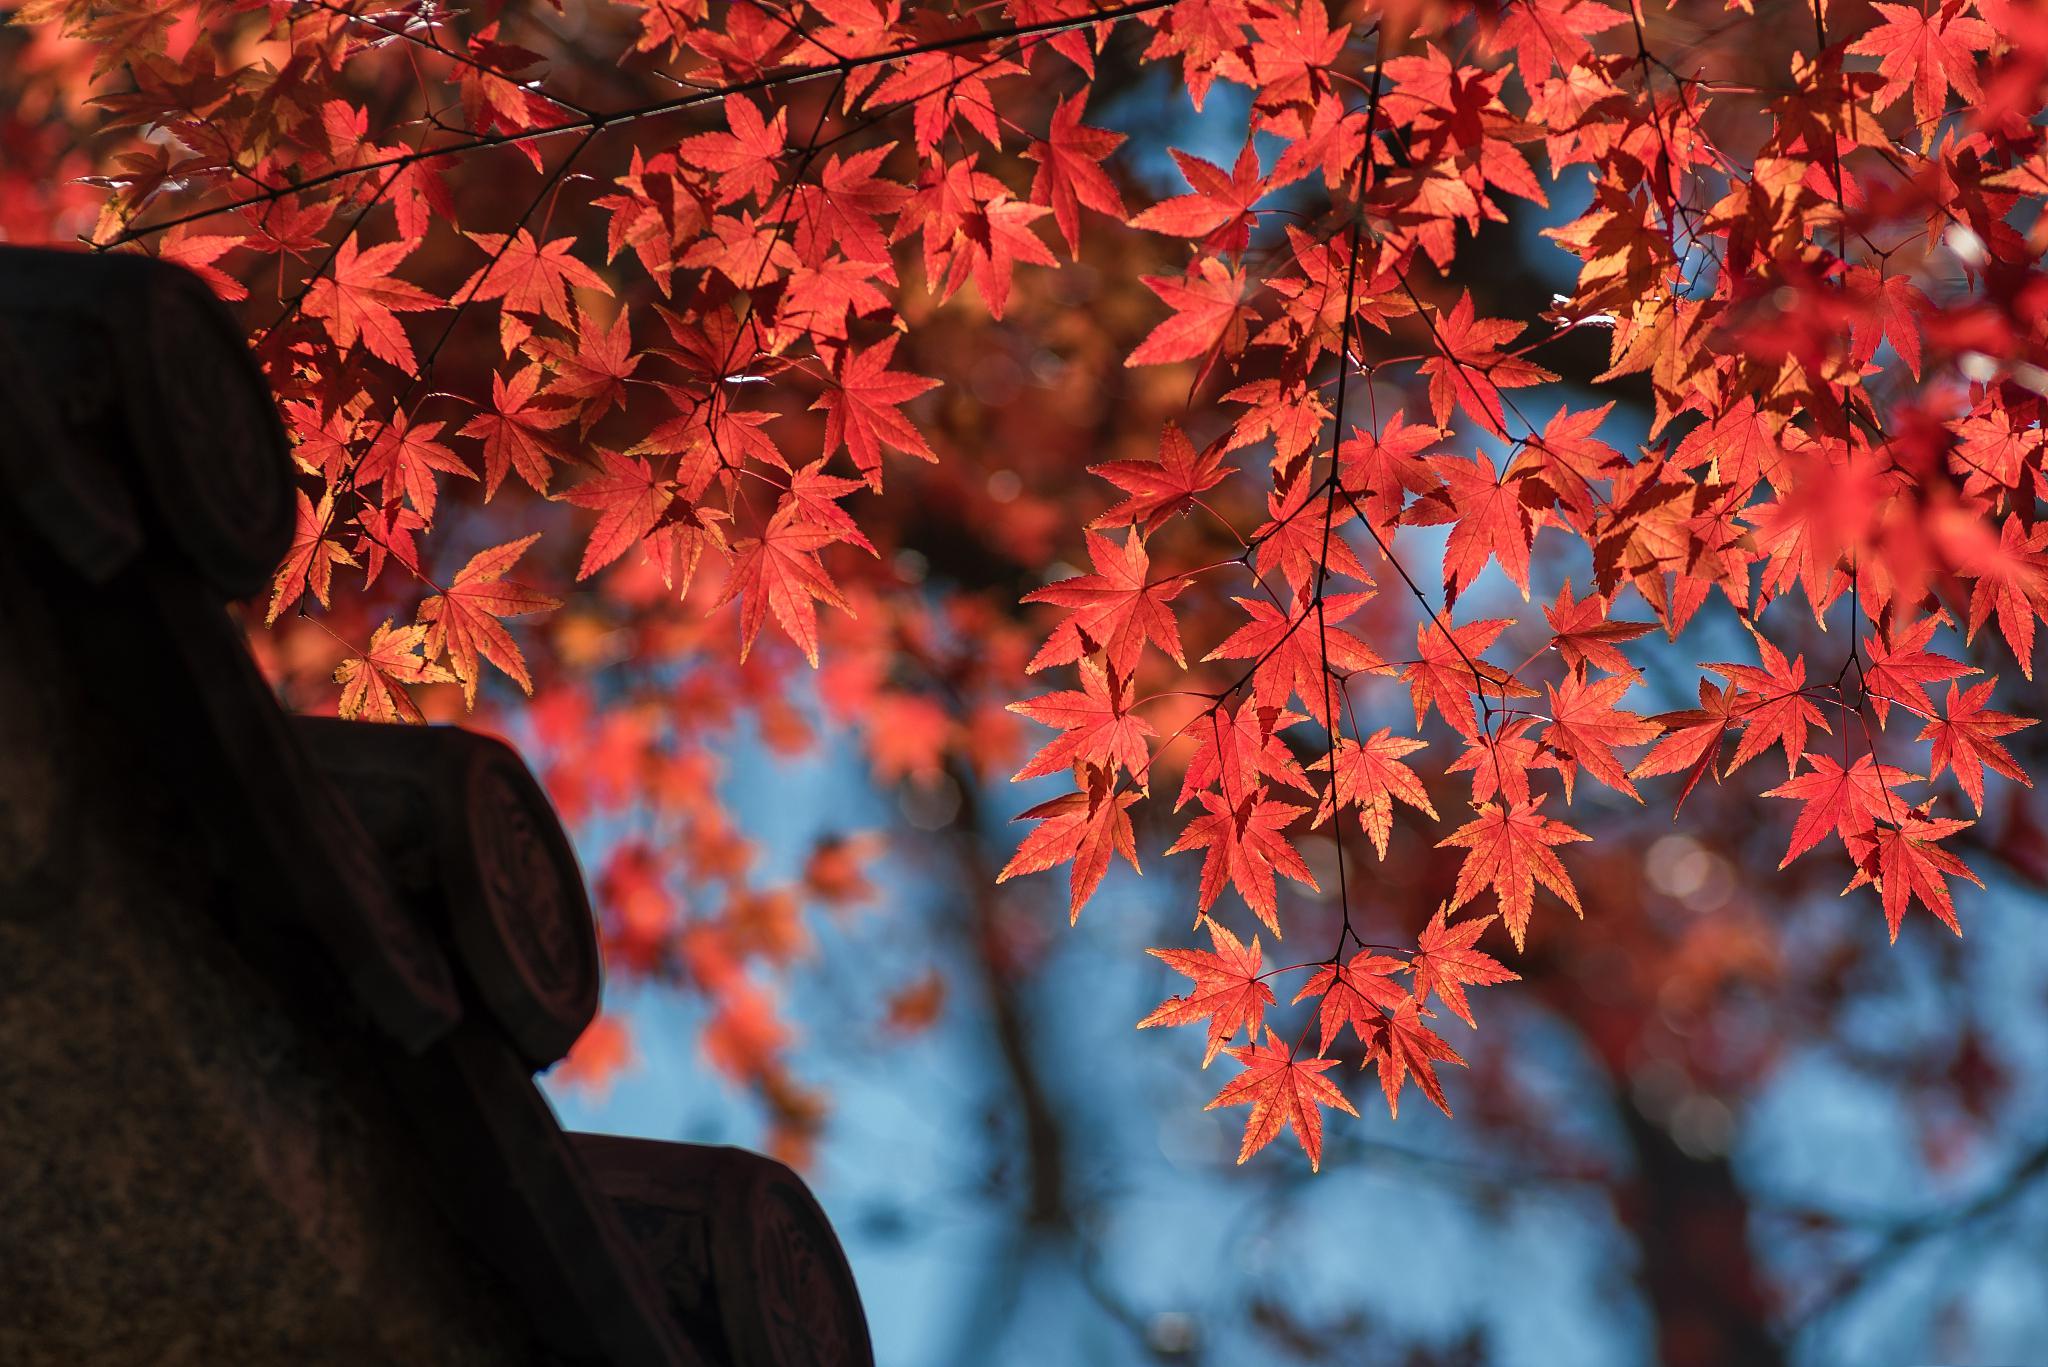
point(615, 336)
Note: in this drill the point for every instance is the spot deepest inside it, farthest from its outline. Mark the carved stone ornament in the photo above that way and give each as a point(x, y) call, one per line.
point(474, 845)
point(746, 1257)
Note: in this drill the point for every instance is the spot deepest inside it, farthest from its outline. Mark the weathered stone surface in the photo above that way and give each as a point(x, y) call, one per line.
point(198, 1159)
point(147, 413)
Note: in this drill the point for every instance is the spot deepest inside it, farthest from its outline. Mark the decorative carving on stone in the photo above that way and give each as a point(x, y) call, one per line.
point(475, 847)
point(778, 1292)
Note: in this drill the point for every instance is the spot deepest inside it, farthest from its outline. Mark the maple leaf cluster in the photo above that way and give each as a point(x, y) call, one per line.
point(1774, 272)
point(675, 324)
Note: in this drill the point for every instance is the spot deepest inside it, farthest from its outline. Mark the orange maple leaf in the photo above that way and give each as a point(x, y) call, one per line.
point(1229, 991)
point(1284, 1092)
point(1446, 963)
point(1353, 994)
point(1116, 610)
point(1244, 846)
point(1087, 827)
point(309, 564)
point(1510, 849)
point(1370, 774)
point(373, 683)
point(1402, 1047)
point(463, 621)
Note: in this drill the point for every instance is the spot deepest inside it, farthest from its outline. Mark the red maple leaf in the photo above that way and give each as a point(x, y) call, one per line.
point(1450, 670)
point(531, 277)
point(1300, 537)
point(1446, 963)
point(1773, 706)
point(1229, 993)
point(360, 298)
point(817, 494)
point(1510, 850)
point(779, 572)
point(1928, 53)
point(1209, 315)
point(1570, 456)
point(1900, 670)
point(1502, 759)
point(846, 206)
point(197, 252)
point(1295, 51)
point(513, 432)
point(1115, 610)
point(1404, 1047)
point(1096, 725)
point(463, 619)
point(744, 160)
point(1070, 173)
point(2014, 580)
point(1157, 489)
point(1296, 652)
point(1549, 35)
point(1245, 847)
point(1583, 635)
point(1369, 776)
point(1354, 994)
point(592, 375)
point(1905, 863)
point(862, 408)
point(1845, 802)
point(1587, 728)
point(1966, 741)
point(1284, 1092)
point(1469, 369)
point(388, 532)
point(1692, 738)
point(1087, 827)
point(1491, 517)
point(1291, 411)
point(404, 455)
point(1737, 447)
point(629, 500)
point(1386, 466)
point(945, 87)
point(998, 236)
point(1236, 750)
point(1219, 211)
point(819, 297)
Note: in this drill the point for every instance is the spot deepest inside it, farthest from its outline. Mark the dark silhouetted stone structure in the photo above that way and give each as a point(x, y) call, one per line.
point(273, 990)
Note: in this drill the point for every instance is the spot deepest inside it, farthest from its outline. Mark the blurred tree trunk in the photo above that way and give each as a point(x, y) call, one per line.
point(1690, 1219)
